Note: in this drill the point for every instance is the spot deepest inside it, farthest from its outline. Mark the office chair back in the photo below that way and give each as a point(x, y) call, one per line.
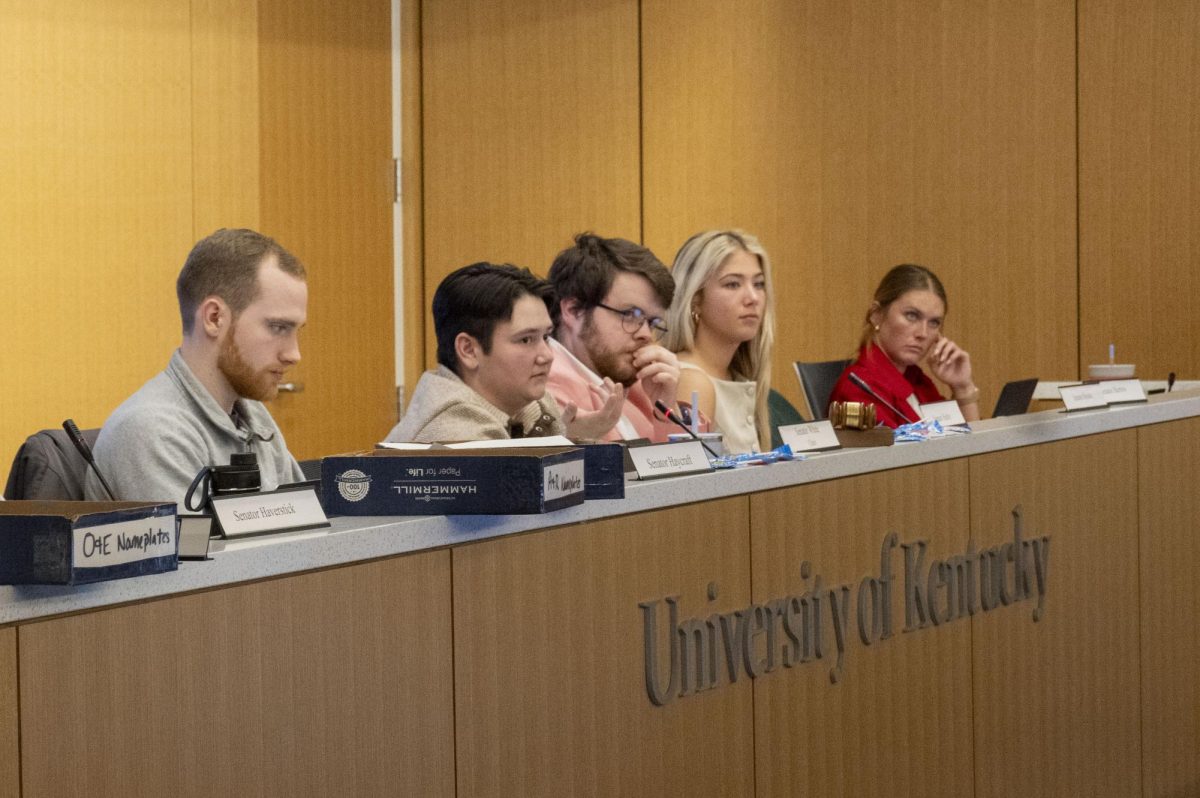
point(782, 414)
point(48, 467)
point(817, 381)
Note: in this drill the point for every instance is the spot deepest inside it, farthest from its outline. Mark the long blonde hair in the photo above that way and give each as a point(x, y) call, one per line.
point(700, 257)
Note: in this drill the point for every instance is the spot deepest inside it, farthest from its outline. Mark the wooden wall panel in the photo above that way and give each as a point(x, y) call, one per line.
point(530, 129)
point(416, 307)
point(1139, 183)
point(549, 679)
point(10, 733)
point(330, 683)
point(1057, 701)
point(327, 188)
point(1168, 461)
point(96, 202)
point(225, 115)
point(899, 720)
point(853, 136)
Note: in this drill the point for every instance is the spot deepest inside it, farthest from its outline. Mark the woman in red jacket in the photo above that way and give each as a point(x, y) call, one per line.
point(904, 329)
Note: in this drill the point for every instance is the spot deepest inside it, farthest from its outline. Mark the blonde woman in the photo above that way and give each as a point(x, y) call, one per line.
point(722, 326)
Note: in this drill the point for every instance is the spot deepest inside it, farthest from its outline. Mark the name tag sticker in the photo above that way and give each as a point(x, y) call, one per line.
point(670, 459)
point(284, 510)
point(1118, 392)
point(1082, 397)
point(564, 479)
point(947, 413)
point(817, 436)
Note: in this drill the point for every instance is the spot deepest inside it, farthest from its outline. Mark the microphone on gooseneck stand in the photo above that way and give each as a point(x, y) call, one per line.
point(86, 452)
point(861, 383)
point(673, 416)
point(1170, 381)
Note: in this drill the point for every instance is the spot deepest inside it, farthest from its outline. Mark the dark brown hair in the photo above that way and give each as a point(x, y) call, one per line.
point(585, 271)
point(225, 264)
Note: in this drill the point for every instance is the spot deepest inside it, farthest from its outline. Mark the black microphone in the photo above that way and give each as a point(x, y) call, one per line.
point(673, 416)
point(857, 380)
point(86, 452)
point(1170, 381)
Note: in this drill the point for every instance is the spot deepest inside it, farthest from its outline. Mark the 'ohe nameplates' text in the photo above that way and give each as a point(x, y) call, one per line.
point(818, 623)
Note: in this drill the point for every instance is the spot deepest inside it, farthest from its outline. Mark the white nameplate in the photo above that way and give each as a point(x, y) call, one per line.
point(563, 479)
point(124, 542)
point(195, 533)
point(277, 511)
point(669, 459)
point(1082, 397)
point(817, 436)
point(946, 413)
point(1117, 392)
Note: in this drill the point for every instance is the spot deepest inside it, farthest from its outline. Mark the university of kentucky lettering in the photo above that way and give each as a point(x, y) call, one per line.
point(695, 654)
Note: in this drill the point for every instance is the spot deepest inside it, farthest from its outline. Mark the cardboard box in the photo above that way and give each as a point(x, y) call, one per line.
point(75, 543)
point(453, 481)
point(603, 470)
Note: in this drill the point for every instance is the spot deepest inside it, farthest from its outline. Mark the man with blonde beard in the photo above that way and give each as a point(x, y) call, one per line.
point(243, 299)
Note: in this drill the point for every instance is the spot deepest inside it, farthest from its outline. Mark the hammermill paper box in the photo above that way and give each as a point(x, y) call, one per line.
point(453, 481)
point(74, 543)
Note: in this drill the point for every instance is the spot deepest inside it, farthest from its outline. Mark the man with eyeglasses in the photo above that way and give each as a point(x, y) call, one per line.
point(612, 296)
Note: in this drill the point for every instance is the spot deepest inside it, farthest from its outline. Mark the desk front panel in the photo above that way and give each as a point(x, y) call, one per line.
point(1056, 700)
point(898, 718)
point(1168, 462)
point(10, 765)
point(550, 682)
point(328, 683)
point(518, 664)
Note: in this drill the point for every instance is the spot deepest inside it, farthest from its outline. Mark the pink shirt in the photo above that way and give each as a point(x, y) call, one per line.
point(569, 381)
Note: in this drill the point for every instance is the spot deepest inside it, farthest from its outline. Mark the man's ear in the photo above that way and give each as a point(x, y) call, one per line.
point(213, 316)
point(468, 351)
point(572, 314)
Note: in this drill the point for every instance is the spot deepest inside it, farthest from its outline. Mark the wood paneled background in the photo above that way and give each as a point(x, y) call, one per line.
point(1002, 144)
point(1039, 154)
point(128, 130)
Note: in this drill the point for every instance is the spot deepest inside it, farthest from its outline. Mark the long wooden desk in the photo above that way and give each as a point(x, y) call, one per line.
point(855, 624)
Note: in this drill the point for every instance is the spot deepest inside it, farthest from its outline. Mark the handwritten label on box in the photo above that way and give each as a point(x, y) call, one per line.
point(124, 542)
point(563, 479)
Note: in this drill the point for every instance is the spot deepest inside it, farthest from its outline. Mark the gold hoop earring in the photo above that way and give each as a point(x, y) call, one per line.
point(695, 317)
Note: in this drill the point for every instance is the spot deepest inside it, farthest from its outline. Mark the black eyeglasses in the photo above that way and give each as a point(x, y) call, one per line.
point(633, 319)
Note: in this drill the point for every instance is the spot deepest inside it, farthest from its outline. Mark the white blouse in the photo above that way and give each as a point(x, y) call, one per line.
point(734, 411)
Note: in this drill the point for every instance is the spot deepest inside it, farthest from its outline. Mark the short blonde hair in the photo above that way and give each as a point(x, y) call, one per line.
point(700, 257)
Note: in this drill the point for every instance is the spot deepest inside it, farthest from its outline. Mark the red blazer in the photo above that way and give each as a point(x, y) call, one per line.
point(875, 369)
